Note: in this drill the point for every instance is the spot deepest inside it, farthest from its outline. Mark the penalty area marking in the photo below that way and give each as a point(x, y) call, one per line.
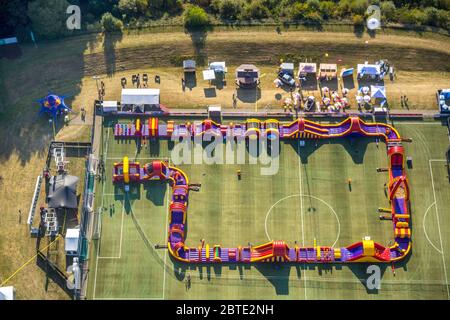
point(438, 223)
point(425, 230)
point(303, 195)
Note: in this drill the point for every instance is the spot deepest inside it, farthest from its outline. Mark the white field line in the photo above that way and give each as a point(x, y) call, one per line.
point(439, 227)
point(301, 209)
point(425, 230)
point(121, 239)
point(101, 206)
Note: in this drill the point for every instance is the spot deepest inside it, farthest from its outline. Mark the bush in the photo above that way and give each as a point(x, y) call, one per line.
point(110, 23)
point(131, 8)
point(327, 9)
point(443, 19)
point(359, 6)
point(255, 10)
point(298, 11)
point(414, 16)
point(313, 17)
point(227, 9)
point(388, 11)
point(358, 20)
point(195, 17)
point(431, 15)
point(313, 5)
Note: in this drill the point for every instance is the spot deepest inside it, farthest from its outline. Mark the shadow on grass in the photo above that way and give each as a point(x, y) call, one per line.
point(54, 66)
point(278, 274)
point(355, 146)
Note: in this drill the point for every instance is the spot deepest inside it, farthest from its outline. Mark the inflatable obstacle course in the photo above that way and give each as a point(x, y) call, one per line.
point(366, 250)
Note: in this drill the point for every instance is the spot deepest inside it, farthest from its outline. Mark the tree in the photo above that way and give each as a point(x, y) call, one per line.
point(48, 17)
point(227, 9)
point(388, 10)
point(255, 10)
point(431, 15)
point(443, 19)
point(195, 17)
point(327, 9)
point(132, 8)
point(110, 23)
point(358, 20)
point(313, 5)
point(298, 11)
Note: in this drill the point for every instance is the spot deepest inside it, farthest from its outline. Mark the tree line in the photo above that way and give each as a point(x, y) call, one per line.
point(47, 18)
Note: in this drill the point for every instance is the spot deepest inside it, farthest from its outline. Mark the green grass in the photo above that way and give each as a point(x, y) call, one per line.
point(302, 195)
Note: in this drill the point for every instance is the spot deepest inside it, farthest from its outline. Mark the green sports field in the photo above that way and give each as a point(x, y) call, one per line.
point(307, 199)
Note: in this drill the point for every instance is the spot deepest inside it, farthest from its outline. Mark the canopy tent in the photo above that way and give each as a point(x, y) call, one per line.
point(368, 70)
point(189, 65)
point(218, 67)
point(347, 72)
point(287, 67)
point(247, 74)
point(209, 75)
point(140, 96)
point(327, 70)
point(305, 67)
point(62, 192)
point(378, 92)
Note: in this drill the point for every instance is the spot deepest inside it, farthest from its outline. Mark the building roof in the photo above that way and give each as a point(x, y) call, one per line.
point(7, 293)
point(140, 96)
point(71, 239)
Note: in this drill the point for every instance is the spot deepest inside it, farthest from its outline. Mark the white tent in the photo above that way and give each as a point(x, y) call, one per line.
point(208, 75)
point(368, 70)
point(189, 65)
point(218, 66)
point(140, 96)
point(378, 92)
point(71, 241)
point(109, 106)
point(7, 293)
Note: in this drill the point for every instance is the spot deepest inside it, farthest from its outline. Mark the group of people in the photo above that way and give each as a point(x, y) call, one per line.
point(331, 101)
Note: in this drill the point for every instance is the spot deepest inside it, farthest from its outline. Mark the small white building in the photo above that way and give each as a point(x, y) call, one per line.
point(7, 293)
point(71, 242)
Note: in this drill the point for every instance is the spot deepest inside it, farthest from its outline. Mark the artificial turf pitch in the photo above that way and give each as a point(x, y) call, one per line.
point(309, 198)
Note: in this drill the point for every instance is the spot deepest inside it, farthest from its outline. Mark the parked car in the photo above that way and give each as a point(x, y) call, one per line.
point(287, 79)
